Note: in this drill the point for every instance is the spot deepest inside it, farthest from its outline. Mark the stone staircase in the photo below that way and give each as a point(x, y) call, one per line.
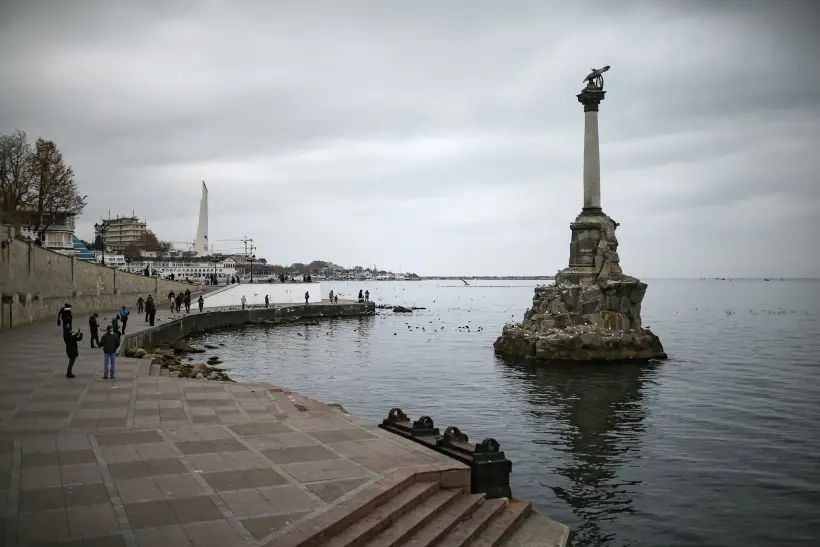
point(412, 509)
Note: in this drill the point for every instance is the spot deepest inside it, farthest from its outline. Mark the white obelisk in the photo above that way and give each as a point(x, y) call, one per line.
point(201, 243)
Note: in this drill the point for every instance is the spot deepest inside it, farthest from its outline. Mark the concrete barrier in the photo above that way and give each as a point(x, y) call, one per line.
point(195, 323)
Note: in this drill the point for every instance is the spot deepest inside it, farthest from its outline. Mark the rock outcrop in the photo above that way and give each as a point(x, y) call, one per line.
point(593, 311)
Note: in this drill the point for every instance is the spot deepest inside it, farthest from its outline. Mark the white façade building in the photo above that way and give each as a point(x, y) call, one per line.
point(193, 269)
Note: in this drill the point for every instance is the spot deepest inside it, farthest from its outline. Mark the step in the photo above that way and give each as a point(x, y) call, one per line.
point(143, 367)
point(469, 528)
point(414, 520)
point(504, 525)
point(154, 370)
point(364, 529)
point(163, 372)
point(538, 530)
point(460, 508)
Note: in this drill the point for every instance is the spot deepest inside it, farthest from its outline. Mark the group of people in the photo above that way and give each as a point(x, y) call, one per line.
point(149, 307)
point(183, 299)
point(364, 297)
point(109, 342)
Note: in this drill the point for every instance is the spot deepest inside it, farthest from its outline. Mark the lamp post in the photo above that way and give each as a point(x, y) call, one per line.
point(215, 261)
point(102, 228)
point(252, 257)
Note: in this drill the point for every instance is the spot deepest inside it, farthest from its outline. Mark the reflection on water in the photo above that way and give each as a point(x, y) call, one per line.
point(717, 446)
point(597, 415)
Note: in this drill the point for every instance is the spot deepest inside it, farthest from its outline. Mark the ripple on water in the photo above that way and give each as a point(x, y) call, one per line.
point(717, 446)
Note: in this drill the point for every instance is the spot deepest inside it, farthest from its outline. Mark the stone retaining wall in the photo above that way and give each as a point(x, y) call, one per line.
point(150, 338)
point(36, 282)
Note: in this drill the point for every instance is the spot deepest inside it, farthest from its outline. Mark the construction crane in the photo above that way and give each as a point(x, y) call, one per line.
point(245, 240)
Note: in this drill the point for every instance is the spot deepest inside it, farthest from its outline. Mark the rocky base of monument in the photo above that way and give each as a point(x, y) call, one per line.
point(592, 313)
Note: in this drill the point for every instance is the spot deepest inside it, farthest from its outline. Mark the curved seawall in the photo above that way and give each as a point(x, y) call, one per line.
point(151, 337)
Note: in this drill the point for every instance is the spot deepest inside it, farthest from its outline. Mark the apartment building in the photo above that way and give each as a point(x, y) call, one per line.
point(121, 232)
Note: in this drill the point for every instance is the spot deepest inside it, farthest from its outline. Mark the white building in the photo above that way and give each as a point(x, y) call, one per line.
point(112, 260)
point(58, 233)
point(194, 269)
point(122, 231)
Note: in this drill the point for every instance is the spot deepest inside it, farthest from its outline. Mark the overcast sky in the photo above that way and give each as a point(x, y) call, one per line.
point(441, 137)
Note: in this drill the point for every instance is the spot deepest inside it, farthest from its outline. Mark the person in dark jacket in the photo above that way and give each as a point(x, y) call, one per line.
point(71, 349)
point(201, 303)
point(150, 310)
point(361, 296)
point(187, 301)
point(64, 317)
point(180, 296)
point(140, 304)
point(124, 313)
point(94, 329)
point(110, 342)
point(115, 324)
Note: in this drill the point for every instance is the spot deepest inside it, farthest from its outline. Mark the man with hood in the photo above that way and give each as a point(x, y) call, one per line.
point(94, 329)
point(71, 349)
point(110, 342)
point(64, 316)
point(140, 304)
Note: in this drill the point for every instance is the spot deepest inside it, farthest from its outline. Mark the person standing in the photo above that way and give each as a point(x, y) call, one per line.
point(335, 298)
point(361, 296)
point(180, 296)
point(110, 342)
point(367, 296)
point(94, 329)
point(171, 298)
point(115, 323)
point(140, 304)
point(331, 297)
point(124, 313)
point(267, 300)
point(187, 301)
point(64, 317)
point(201, 302)
point(71, 349)
point(150, 310)
point(307, 298)
point(243, 301)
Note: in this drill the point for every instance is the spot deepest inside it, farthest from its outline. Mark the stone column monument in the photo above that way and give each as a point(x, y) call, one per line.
point(593, 311)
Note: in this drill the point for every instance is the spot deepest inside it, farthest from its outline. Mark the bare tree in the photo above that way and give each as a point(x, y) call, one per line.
point(16, 183)
point(54, 189)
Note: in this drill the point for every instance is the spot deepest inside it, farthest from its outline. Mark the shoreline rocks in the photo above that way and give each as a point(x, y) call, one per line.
point(169, 356)
point(593, 311)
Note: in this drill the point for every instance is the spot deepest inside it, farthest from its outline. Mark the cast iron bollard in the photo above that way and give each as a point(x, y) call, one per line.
point(489, 468)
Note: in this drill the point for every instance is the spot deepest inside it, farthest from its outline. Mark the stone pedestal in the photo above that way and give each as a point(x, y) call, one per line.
point(593, 311)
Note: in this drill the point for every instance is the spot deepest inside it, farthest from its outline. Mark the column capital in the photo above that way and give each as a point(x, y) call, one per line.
point(591, 97)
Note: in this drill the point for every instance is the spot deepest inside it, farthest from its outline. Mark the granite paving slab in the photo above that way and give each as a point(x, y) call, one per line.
point(151, 461)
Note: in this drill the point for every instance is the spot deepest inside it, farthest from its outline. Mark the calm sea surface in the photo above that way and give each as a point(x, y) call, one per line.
point(718, 446)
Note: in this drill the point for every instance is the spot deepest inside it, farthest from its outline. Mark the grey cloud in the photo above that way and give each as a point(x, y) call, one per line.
point(449, 131)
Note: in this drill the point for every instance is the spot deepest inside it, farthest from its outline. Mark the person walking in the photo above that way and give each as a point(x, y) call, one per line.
point(64, 317)
point(267, 300)
point(171, 296)
point(140, 304)
point(115, 323)
point(110, 344)
point(180, 296)
point(71, 349)
point(367, 296)
point(124, 313)
point(331, 296)
point(187, 301)
point(150, 310)
point(243, 301)
point(361, 296)
point(94, 329)
point(307, 298)
point(201, 303)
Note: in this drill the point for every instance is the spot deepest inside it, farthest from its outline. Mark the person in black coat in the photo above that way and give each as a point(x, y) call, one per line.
point(71, 349)
point(64, 317)
point(94, 329)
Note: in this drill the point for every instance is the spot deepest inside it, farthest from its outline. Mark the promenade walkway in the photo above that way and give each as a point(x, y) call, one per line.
point(145, 461)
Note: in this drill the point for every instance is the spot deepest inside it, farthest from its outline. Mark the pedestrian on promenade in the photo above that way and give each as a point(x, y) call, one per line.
point(180, 296)
point(361, 296)
point(140, 304)
point(201, 302)
point(267, 300)
point(110, 344)
point(71, 349)
point(307, 297)
point(171, 298)
point(367, 296)
point(64, 317)
point(124, 313)
point(150, 310)
point(187, 301)
point(331, 297)
point(115, 324)
point(94, 329)
point(243, 301)
point(335, 298)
